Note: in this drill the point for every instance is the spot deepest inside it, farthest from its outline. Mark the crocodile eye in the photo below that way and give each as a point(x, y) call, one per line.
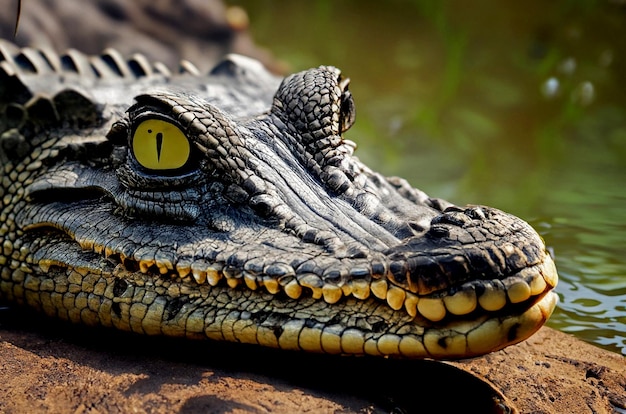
point(160, 145)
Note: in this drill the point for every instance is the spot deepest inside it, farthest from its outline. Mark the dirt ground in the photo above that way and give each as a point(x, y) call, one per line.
point(55, 368)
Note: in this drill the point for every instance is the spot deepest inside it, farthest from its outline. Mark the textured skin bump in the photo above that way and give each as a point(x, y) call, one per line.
point(266, 230)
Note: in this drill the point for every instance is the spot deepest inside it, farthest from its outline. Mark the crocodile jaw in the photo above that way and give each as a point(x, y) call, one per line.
point(97, 292)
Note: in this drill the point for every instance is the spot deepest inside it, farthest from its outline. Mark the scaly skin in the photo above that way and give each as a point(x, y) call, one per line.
point(228, 206)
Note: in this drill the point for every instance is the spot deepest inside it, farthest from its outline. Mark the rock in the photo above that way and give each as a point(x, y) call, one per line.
point(52, 367)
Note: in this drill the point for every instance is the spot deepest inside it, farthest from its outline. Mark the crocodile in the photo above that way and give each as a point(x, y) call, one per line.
point(229, 205)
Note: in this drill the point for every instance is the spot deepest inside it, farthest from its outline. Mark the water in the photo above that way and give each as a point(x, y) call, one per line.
point(519, 106)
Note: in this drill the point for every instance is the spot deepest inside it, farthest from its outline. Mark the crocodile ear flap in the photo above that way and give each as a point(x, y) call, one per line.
point(316, 104)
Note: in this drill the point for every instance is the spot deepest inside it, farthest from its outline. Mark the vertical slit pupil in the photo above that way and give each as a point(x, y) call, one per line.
point(159, 144)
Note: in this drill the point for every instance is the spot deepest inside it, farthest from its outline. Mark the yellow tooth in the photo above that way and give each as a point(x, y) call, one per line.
point(108, 251)
point(346, 289)
point(492, 299)
point(410, 347)
point(213, 276)
point(183, 268)
point(548, 270)
point(486, 337)
point(462, 302)
point(271, 285)
point(144, 265)
point(379, 288)
point(389, 344)
point(431, 308)
point(310, 339)
point(98, 248)
point(410, 304)
point(331, 293)
point(293, 289)
point(314, 283)
point(250, 280)
point(199, 275)
point(331, 341)
point(352, 342)
point(537, 285)
point(395, 297)
point(518, 291)
point(233, 283)
point(444, 343)
point(164, 267)
point(360, 289)
point(371, 347)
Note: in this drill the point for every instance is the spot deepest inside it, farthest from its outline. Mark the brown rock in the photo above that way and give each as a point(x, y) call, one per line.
point(53, 367)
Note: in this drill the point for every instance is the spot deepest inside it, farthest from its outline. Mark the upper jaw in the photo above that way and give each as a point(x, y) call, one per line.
point(455, 268)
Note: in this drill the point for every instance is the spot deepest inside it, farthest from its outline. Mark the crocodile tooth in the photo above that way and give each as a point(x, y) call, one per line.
point(293, 289)
point(183, 268)
point(332, 293)
point(331, 340)
point(548, 270)
point(485, 337)
point(395, 297)
point(517, 289)
point(410, 347)
point(232, 282)
point(144, 265)
point(371, 347)
point(379, 288)
point(389, 344)
point(316, 293)
point(271, 284)
point(310, 338)
point(108, 252)
point(360, 289)
point(198, 275)
point(352, 341)
point(213, 276)
point(431, 308)
point(493, 297)
point(346, 289)
point(98, 248)
point(250, 280)
point(462, 302)
point(313, 282)
point(443, 343)
point(410, 304)
point(537, 285)
point(164, 266)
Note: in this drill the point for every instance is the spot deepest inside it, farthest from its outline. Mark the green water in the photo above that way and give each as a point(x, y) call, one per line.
point(517, 105)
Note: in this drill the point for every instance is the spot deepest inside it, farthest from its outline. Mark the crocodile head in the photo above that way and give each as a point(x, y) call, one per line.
point(230, 206)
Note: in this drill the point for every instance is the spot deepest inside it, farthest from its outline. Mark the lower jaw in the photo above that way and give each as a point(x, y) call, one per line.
point(467, 339)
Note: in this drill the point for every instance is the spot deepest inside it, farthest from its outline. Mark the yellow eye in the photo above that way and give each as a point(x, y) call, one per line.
point(160, 145)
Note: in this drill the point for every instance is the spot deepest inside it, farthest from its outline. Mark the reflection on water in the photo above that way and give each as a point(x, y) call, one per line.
point(519, 106)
